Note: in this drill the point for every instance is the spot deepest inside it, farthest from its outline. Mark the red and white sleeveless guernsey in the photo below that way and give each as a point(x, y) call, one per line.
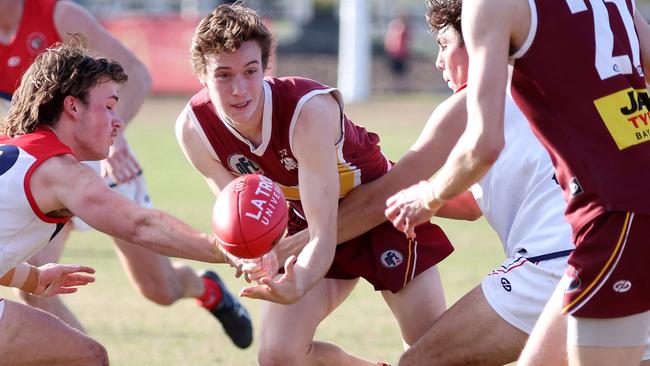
point(581, 87)
point(35, 34)
point(24, 229)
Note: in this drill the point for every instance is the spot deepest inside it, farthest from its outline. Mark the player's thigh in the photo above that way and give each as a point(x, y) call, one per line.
point(142, 263)
point(469, 333)
point(417, 305)
point(546, 345)
point(31, 336)
point(291, 328)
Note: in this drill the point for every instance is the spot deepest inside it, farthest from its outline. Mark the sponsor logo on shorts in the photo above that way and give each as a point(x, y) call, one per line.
point(575, 187)
point(575, 282)
point(506, 284)
point(622, 286)
point(240, 164)
point(391, 258)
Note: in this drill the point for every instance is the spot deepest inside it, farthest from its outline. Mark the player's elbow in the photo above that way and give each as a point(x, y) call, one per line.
point(139, 74)
point(487, 152)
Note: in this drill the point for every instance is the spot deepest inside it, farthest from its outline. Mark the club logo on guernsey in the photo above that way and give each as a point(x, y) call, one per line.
point(36, 42)
point(391, 258)
point(626, 116)
point(288, 162)
point(13, 61)
point(238, 163)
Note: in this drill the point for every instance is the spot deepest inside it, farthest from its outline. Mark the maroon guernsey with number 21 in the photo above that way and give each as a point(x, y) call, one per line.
point(579, 80)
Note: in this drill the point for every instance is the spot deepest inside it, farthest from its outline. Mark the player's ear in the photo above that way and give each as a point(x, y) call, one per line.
point(71, 105)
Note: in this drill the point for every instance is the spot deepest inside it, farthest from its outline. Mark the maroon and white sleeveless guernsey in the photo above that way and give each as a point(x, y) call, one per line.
point(360, 159)
point(592, 119)
point(24, 229)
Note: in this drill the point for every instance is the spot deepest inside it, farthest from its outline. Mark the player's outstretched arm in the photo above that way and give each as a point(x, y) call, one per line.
point(316, 133)
point(49, 279)
point(63, 183)
point(487, 26)
point(363, 207)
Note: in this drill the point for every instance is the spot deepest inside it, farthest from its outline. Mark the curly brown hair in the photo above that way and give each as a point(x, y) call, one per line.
point(442, 14)
point(64, 70)
point(224, 30)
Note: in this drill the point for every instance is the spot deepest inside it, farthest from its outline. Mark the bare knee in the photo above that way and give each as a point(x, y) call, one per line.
point(94, 354)
point(279, 356)
point(159, 291)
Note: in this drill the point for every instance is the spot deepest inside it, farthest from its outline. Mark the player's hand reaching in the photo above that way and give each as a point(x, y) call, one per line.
point(284, 289)
point(233, 261)
point(55, 279)
point(408, 207)
point(265, 266)
point(120, 164)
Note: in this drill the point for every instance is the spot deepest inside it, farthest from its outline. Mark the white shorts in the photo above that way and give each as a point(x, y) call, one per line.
point(519, 290)
point(135, 190)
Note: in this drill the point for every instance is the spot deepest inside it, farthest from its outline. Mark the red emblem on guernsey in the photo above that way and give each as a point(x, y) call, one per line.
point(36, 42)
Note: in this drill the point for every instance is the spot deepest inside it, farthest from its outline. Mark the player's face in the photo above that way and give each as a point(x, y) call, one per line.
point(452, 59)
point(234, 81)
point(98, 122)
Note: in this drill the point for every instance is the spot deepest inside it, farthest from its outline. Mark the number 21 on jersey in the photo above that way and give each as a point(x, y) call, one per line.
point(606, 62)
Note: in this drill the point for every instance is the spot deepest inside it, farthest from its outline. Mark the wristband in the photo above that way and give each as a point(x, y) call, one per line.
point(21, 272)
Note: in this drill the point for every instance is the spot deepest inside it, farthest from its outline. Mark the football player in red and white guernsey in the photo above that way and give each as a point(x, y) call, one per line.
point(64, 113)
point(294, 131)
point(578, 76)
point(29, 27)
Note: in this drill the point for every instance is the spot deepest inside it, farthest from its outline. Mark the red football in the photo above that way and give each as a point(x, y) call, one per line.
point(250, 215)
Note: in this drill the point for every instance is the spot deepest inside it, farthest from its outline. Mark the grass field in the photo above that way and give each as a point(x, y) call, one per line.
point(137, 332)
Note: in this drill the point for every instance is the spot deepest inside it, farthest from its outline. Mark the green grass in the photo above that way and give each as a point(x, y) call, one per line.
point(138, 332)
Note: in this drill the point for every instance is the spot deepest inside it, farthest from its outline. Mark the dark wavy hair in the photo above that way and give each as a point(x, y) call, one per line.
point(442, 14)
point(66, 69)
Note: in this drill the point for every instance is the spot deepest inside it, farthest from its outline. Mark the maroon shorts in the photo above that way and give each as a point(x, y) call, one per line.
point(610, 268)
point(383, 255)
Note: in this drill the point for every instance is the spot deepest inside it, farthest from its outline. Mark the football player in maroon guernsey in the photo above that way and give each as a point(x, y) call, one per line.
point(294, 131)
point(578, 75)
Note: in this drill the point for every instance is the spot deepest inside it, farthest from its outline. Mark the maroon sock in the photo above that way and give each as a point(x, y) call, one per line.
point(211, 295)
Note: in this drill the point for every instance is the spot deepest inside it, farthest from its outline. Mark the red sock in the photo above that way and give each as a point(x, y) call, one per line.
point(211, 295)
